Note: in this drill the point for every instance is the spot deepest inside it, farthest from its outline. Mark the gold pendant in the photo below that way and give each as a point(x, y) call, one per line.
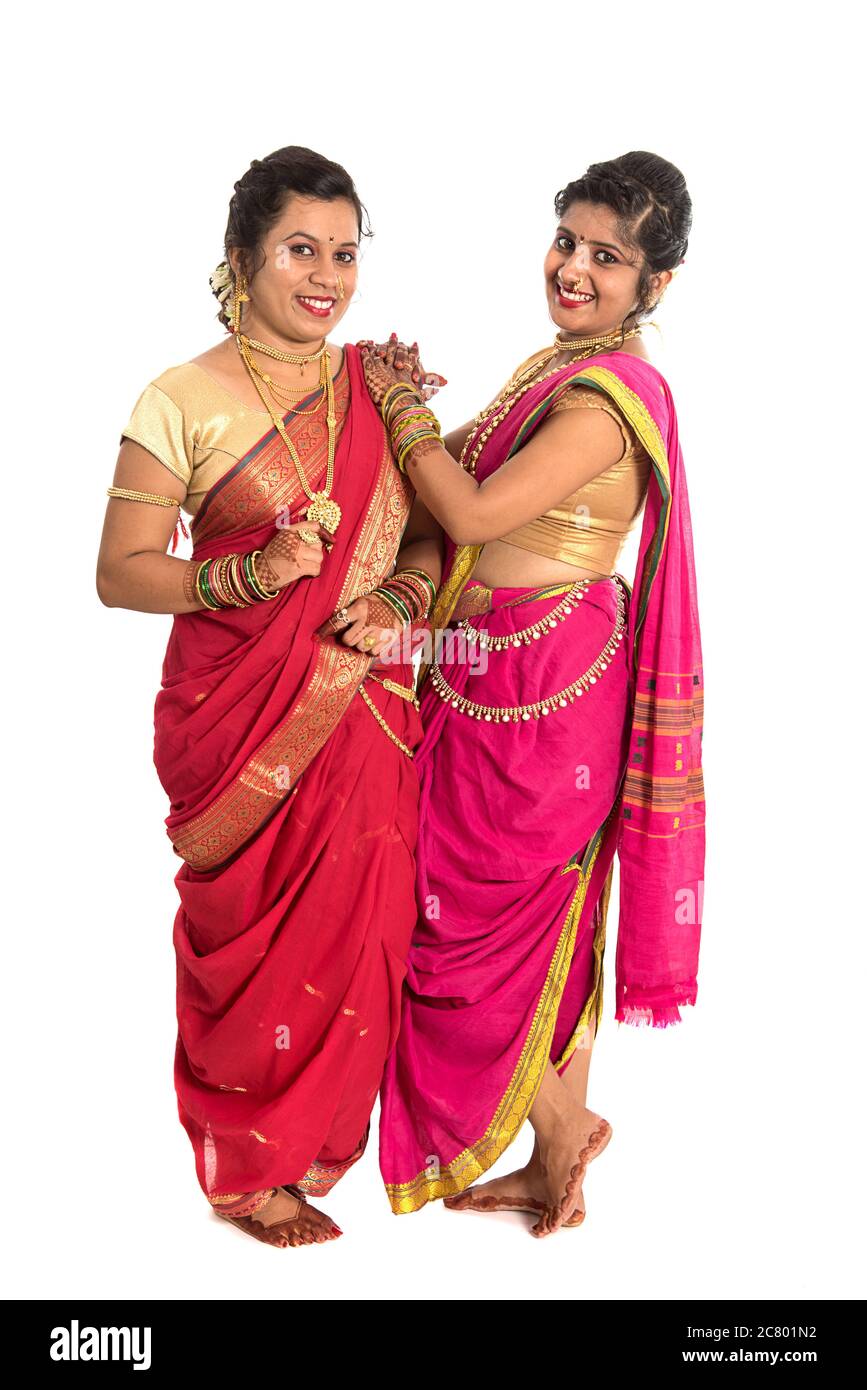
point(325, 510)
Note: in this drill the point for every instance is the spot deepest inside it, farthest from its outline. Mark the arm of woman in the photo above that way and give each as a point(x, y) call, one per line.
point(423, 544)
point(566, 451)
point(133, 571)
point(422, 547)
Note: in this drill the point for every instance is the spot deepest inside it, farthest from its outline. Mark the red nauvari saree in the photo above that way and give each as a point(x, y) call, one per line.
point(520, 821)
point(296, 817)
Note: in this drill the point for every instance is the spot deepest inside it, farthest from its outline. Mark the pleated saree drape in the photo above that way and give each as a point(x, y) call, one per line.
point(296, 818)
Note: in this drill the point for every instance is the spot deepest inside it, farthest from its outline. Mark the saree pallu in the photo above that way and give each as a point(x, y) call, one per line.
point(521, 821)
point(296, 817)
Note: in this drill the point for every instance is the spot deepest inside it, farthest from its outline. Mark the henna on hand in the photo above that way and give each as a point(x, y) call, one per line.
point(191, 593)
point(378, 376)
point(381, 614)
point(424, 446)
point(283, 546)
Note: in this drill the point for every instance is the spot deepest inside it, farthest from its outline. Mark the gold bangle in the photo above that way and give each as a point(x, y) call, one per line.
point(397, 386)
point(267, 593)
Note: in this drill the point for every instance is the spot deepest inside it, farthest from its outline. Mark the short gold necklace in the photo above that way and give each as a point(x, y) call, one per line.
point(323, 508)
point(525, 378)
point(296, 358)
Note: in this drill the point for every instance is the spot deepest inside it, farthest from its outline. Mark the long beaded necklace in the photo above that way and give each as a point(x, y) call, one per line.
point(524, 379)
point(514, 714)
point(323, 508)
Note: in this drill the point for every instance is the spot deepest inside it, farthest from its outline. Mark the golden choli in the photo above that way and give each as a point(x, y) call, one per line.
point(199, 430)
point(590, 527)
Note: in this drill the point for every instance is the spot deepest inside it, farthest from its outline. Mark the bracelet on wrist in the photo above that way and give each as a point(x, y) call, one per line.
point(410, 593)
point(229, 581)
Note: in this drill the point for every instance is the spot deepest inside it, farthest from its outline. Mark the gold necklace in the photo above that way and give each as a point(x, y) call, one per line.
point(601, 340)
point(276, 389)
point(323, 508)
point(524, 378)
point(296, 358)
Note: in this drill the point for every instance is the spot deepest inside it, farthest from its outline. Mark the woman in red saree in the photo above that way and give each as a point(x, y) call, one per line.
point(285, 746)
point(562, 724)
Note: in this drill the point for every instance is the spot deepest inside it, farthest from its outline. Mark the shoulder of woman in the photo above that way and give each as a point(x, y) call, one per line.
point(176, 382)
point(578, 396)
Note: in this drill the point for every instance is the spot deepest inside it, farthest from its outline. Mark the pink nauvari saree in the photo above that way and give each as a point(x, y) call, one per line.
point(520, 822)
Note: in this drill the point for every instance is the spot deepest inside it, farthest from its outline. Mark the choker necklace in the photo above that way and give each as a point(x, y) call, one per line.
point(298, 359)
point(602, 340)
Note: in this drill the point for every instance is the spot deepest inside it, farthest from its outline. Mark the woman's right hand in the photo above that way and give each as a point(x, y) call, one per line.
point(385, 364)
point(292, 553)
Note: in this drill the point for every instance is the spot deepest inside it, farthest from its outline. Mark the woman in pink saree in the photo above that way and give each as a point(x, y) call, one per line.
point(562, 720)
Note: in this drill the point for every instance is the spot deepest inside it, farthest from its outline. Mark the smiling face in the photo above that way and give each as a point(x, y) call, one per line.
point(295, 295)
point(592, 285)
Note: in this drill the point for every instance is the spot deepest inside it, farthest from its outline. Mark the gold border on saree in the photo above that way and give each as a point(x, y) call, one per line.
point(521, 1092)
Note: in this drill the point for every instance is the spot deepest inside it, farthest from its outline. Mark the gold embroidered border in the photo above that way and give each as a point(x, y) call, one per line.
point(256, 494)
point(526, 1079)
point(465, 560)
point(593, 1006)
point(647, 430)
point(215, 834)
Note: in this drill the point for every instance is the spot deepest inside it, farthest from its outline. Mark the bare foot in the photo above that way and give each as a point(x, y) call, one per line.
point(287, 1219)
point(579, 1138)
point(523, 1190)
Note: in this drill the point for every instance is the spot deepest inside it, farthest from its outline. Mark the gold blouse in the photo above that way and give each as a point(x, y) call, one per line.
point(589, 528)
point(197, 428)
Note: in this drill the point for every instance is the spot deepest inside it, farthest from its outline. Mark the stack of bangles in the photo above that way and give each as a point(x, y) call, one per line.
point(229, 581)
point(410, 594)
point(408, 421)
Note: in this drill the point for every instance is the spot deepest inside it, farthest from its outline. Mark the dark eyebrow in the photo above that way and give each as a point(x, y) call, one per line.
point(311, 237)
point(609, 245)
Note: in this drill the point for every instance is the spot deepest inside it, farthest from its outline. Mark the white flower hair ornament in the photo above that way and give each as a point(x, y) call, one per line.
point(223, 286)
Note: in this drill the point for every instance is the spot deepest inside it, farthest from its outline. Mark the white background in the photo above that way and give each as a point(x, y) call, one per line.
point(735, 1168)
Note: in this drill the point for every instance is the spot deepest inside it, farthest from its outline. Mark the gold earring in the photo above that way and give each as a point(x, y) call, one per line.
point(239, 297)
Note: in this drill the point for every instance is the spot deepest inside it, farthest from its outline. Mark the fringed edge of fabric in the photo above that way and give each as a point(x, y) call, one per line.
point(640, 1015)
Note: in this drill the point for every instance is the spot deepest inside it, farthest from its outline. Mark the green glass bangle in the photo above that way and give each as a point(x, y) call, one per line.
point(395, 603)
point(205, 586)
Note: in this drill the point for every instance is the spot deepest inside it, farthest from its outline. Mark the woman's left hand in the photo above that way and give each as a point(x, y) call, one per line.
point(368, 628)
